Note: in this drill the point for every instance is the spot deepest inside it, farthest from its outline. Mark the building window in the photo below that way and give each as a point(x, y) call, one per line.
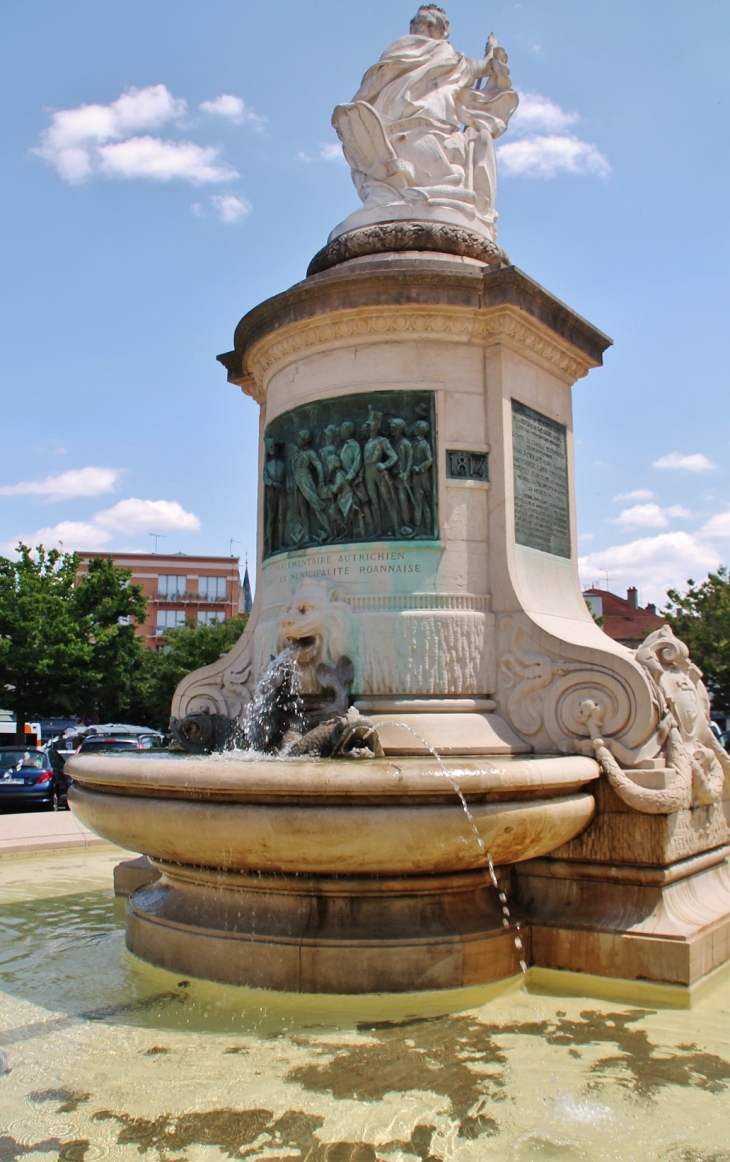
point(171, 586)
point(212, 588)
point(169, 619)
point(208, 616)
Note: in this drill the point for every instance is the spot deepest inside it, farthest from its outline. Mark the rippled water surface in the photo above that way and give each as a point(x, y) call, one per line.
point(102, 1056)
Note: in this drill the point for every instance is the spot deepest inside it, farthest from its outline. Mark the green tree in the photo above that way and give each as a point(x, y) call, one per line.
point(701, 619)
point(67, 643)
point(106, 606)
point(184, 650)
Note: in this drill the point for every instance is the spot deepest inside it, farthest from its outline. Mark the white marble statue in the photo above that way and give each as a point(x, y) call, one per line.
point(419, 133)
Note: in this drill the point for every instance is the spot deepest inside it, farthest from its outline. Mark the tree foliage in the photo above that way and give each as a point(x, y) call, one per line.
point(184, 649)
point(701, 619)
point(67, 642)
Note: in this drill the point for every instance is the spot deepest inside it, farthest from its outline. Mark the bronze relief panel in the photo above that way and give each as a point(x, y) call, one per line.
point(351, 468)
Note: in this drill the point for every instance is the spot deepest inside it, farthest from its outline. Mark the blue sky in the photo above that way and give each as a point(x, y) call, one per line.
point(136, 233)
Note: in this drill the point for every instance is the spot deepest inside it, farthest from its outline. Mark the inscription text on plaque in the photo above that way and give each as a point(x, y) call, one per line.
point(542, 517)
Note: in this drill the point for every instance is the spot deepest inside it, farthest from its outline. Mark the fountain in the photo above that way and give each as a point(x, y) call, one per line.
point(418, 590)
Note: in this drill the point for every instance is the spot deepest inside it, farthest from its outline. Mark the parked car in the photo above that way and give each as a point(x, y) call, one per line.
point(725, 739)
point(108, 744)
point(29, 777)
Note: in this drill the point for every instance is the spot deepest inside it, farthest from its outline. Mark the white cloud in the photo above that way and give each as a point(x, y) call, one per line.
point(66, 486)
point(235, 109)
point(137, 516)
point(538, 114)
point(637, 494)
point(653, 564)
point(543, 148)
point(71, 534)
point(229, 208)
point(538, 156)
point(331, 151)
point(127, 518)
point(149, 157)
point(696, 462)
point(102, 139)
point(328, 151)
point(717, 526)
point(650, 516)
point(70, 141)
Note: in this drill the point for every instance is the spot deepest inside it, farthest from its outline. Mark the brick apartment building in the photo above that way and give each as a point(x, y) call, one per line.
point(179, 587)
point(623, 618)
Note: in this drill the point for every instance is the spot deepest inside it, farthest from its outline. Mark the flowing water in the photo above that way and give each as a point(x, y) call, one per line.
point(107, 1057)
point(276, 706)
point(506, 917)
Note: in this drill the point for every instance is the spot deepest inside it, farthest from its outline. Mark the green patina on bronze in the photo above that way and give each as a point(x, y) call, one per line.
point(353, 468)
point(542, 514)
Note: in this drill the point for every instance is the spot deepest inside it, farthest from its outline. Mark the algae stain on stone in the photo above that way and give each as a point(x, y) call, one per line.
point(257, 1133)
point(71, 1151)
point(70, 1099)
point(647, 1067)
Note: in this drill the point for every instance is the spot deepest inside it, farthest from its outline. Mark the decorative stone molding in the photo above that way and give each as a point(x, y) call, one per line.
point(395, 602)
point(387, 237)
point(400, 602)
point(504, 324)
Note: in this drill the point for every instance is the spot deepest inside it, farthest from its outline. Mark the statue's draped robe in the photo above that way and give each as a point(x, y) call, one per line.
point(422, 91)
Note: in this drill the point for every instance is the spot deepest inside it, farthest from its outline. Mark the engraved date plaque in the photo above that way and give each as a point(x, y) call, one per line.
point(542, 516)
point(467, 465)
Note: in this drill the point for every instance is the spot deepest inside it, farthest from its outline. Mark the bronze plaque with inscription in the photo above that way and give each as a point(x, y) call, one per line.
point(542, 514)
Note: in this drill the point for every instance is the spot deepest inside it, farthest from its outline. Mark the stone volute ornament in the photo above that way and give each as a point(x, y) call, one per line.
point(419, 134)
point(691, 763)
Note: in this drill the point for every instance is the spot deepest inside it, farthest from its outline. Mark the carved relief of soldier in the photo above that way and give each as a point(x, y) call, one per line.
point(332, 479)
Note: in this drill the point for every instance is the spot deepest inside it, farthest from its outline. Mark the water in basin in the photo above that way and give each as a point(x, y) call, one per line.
point(107, 1057)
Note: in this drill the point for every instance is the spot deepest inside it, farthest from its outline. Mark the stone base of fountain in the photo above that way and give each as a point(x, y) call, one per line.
point(634, 922)
point(643, 897)
point(348, 934)
point(331, 875)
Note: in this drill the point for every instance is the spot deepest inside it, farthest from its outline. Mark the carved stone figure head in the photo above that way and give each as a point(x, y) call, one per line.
point(421, 428)
point(347, 430)
point(315, 620)
point(271, 445)
point(374, 419)
point(397, 428)
point(304, 437)
point(430, 21)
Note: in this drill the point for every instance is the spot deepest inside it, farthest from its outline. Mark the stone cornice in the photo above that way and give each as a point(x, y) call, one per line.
point(508, 325)
point(427, 295)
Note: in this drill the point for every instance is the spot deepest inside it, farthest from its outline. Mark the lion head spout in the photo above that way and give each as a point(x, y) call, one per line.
point(316, 622)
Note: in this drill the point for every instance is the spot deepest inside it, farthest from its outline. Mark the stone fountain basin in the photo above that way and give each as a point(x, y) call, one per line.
point(333, 817)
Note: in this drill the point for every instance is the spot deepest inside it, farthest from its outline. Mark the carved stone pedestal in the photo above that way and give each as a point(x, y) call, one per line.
point(643, 897)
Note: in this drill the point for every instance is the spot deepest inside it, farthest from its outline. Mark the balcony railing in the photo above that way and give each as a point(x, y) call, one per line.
point(191, 596)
